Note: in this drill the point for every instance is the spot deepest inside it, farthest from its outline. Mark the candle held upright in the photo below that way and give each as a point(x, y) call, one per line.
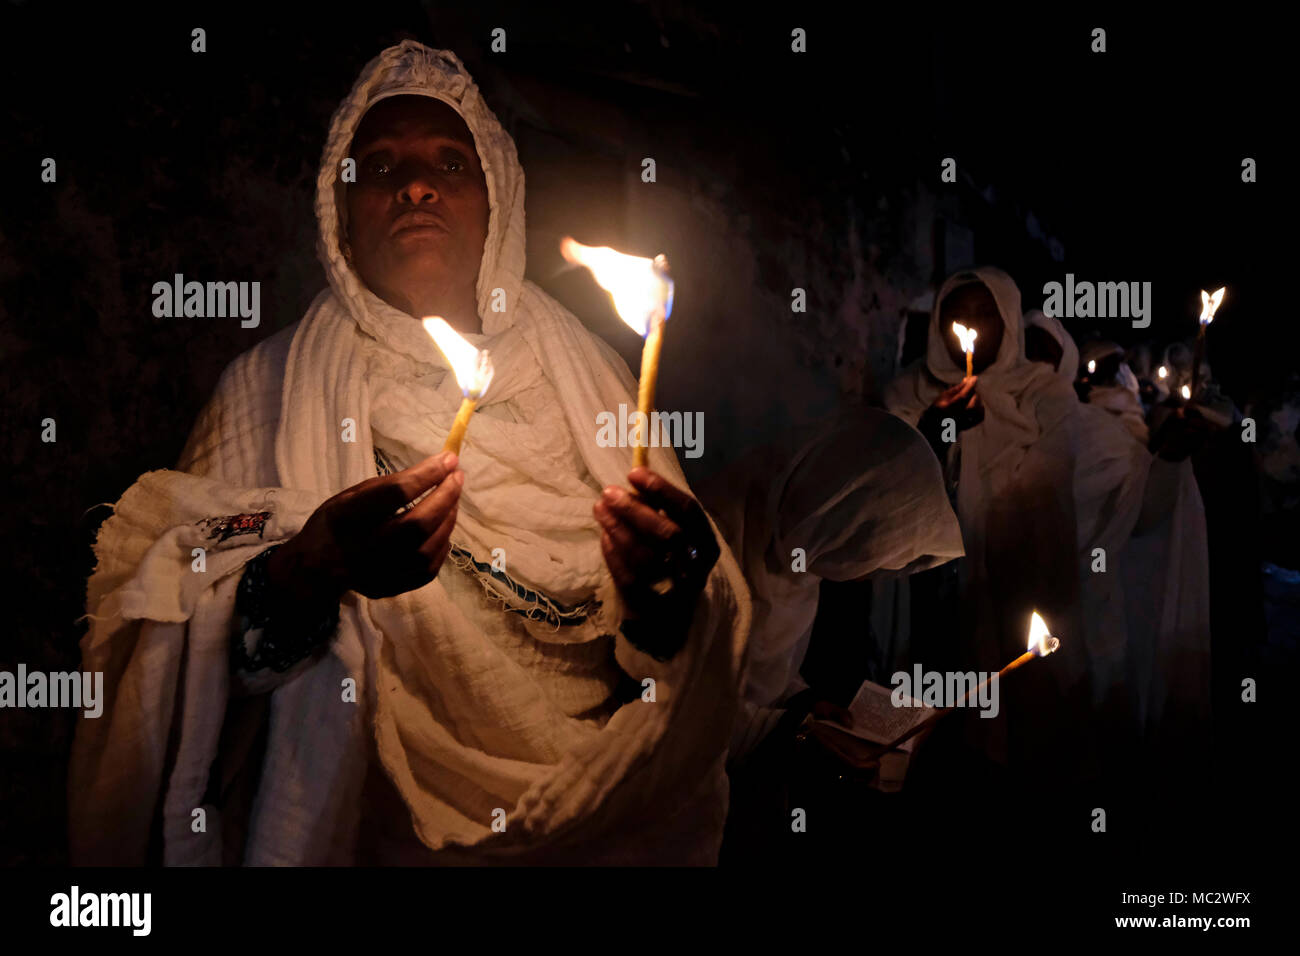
point(1209, 305)
point(472, 368)
point(642, 292)
point(967, 339)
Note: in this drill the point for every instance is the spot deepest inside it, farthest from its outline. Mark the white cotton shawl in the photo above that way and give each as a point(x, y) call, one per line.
point(459, 729)
point(857, 494)
point(1124, 398)
point(1109, 486)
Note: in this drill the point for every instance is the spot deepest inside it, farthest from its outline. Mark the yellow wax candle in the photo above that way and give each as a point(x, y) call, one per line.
point(645, 400)
point(1041, 643)
point(457, 433)
point(472, 368)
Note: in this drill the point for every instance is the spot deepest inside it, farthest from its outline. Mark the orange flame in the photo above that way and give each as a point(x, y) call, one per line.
point(640, 290)
point(1040, 641)
point(473, 367)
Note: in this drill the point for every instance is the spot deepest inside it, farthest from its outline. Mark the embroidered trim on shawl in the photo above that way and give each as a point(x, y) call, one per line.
point(537, 606)
point(231, 525)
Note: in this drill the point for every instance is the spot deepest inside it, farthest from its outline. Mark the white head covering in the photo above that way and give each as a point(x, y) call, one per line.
point(861, 493)
point(1123, 399)
point(1068, 369)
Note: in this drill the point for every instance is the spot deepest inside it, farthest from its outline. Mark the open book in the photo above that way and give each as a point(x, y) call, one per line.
point(878, 721)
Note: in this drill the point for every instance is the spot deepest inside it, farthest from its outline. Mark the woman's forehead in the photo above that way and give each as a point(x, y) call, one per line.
point(971, 295)
point(411, 115)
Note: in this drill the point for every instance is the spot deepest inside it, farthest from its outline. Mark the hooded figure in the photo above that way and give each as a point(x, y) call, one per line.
point(1014, 477)
point(471, 719)
point(1121, 398)
point(859, 494)
point(1110, 479)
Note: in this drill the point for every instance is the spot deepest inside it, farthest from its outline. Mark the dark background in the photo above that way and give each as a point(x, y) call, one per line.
point(775, 170)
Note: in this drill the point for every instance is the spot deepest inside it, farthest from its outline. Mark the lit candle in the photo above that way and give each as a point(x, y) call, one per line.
point(967, 339)
point(1040, 644)
point(472, 368)
point(1092, 366)
point(642, 291)
point(1187, 393)
point(1209, 305)
point(1162, 372)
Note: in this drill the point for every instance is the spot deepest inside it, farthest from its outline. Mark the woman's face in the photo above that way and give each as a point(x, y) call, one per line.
point(418, 212)
point(973, 306)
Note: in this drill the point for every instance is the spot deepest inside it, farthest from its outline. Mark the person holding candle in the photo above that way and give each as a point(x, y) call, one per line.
point(1012, 472)
point(854, 495)
point(501, 656)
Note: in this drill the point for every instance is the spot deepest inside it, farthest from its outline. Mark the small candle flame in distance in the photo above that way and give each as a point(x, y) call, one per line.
point(1210, 304)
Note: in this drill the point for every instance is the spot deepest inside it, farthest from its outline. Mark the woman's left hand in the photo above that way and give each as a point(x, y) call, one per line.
point(659, 547)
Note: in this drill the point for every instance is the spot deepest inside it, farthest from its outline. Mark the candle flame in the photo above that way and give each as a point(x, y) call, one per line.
point(1210, 304)
point(1162, 372)
point(965, 336)
point(1040, 641)
point(1092, 366)
point(1187, 392)
point(640, 287)
point(472, 367)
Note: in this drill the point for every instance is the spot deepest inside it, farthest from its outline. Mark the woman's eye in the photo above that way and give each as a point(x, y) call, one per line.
point(376, 168)
point(454, 166)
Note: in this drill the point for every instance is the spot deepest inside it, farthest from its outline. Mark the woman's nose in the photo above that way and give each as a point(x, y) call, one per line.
point(418, 187)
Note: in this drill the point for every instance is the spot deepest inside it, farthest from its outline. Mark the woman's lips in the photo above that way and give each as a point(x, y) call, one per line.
point(419, 224)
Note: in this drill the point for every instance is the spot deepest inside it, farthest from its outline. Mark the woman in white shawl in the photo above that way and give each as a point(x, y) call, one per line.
point(1013, 471)
point(1110, 478)
point(1113, 386)
point(839, 501)
point(465, 717)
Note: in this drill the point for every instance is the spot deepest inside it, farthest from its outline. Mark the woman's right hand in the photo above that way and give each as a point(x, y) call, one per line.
point(961, 403)
point(355, 541)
